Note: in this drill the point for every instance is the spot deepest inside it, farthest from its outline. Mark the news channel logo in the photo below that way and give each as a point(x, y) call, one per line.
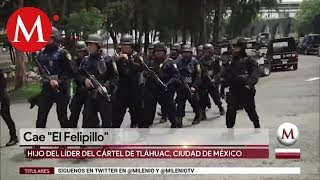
point(288, 134)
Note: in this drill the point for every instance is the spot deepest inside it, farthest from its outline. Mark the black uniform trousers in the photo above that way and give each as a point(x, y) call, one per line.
point(46, 100)
point(165, 99)
point(208, 88)
point(77, 102)
point(241, 96)
point(92, 107)
point(181, 99)
point(128, 98)
point(5, 114)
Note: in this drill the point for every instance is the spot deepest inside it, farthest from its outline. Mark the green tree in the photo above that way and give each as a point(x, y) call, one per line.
point(308, 19)
point(119, 13)
point(244, 12)
point(86, 21)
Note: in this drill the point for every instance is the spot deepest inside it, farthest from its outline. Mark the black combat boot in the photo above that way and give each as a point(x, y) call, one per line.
point(221, 109)
point(196, 119)
point(256, 124)
point(133, 125)
point(203, 115)
point(163, 119)
point(13, 141)
point(174, 126)
point(179, 122)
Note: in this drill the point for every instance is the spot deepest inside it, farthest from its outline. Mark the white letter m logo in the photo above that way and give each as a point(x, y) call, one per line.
point(27, 36)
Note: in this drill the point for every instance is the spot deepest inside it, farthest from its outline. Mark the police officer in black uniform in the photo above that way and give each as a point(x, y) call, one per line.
point(175, 56)
point(79, 98)
point(166, 69)
point(129, 93)
point(190, 72)
point(105, 72)
point(199, 52)
point(175, 51)
point(241, 75)
point(5, 110)
point(55, 88)
point(150, 54)
point(211, 71)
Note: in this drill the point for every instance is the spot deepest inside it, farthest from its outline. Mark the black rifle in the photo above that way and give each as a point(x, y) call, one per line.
point(97, 85)
point(44, 73)
point(155, 76)
point(211, 80)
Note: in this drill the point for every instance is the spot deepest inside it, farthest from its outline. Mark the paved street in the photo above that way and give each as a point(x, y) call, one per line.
point(284, 96)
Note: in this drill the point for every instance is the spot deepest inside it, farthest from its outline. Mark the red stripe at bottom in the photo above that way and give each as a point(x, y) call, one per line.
point(283, 155)
point(36, 170)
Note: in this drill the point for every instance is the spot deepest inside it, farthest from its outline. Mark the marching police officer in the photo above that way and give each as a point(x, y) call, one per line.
point(129, 93)
point(190, 72)
point(175, 51)
point(98, 74)
point(175, 56)
point(150, 54)
point(78, 100)
point(56, 83)
point(211, 70)
point(242, 73)
point(5, 110)
point(161, 91)
point(199, 52)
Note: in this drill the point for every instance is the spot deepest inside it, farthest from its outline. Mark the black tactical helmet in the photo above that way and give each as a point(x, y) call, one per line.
point(126, 39)
point(95, 38)
point(55, 34)
point(200, 48)
point(208, 46)
point(175, 46)
point(242, 43)
point(160, 47)
point(151, 46)
point(81, 46)
point(186, 48)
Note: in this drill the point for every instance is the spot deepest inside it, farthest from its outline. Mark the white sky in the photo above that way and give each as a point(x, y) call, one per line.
point(291, 0)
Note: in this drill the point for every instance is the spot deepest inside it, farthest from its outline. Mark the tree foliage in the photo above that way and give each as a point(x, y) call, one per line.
point(308, 19)
point(86, 21)
point(244, 12)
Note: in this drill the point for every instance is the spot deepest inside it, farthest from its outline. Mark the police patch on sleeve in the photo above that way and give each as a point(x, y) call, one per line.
point(51, 63)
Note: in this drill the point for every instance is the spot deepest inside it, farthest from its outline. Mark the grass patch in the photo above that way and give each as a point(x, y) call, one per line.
point(32, 90)
point(26, 92)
